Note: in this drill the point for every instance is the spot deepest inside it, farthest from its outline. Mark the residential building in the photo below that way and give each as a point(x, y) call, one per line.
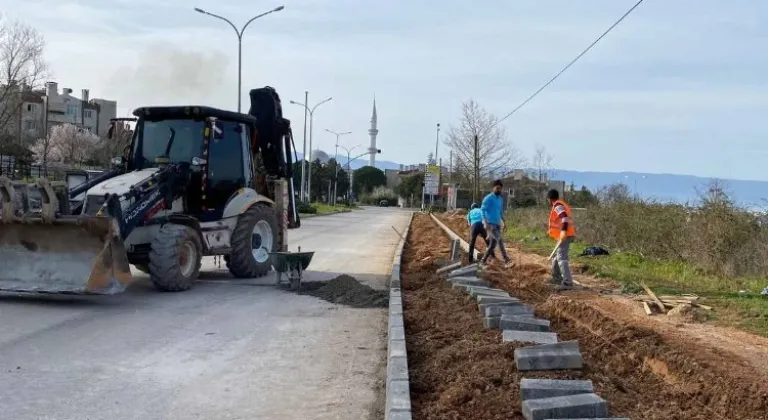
point(41, 110)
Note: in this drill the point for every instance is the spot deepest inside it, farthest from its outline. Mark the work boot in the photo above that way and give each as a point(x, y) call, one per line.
point(509, 264)
point(563, 287)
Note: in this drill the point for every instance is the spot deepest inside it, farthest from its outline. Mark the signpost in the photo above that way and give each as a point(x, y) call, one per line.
point(432, 182)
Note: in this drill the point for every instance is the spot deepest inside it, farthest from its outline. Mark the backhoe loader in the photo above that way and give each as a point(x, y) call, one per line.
point(195, 181)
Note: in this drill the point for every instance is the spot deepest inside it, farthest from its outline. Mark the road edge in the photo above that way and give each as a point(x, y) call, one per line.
point(398, 392)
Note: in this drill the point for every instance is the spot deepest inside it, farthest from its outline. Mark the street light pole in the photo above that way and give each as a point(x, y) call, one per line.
point(309, 166)
point(239, 45)
point(437, 140)
point(336, 158)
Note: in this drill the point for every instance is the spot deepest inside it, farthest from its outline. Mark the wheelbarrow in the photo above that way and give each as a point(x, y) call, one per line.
point(293, 265)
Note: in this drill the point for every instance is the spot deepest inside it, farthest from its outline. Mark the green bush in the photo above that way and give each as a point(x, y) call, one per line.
point(716, 236)
point(305, 208)
point(377, 195)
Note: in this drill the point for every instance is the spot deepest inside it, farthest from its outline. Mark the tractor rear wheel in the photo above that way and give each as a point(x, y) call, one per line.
point(254, 237)
point(175, 258)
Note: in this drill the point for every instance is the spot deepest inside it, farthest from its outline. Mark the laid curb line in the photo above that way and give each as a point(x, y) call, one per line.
point(398, 394)
point(541, 399)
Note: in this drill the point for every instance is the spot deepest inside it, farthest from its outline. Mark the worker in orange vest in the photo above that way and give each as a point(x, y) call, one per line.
point(561, 229)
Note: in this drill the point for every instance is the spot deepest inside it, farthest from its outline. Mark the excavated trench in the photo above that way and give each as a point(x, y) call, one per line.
point(458, 369)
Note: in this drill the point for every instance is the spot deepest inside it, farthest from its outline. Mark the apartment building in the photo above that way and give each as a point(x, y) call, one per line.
point(41, 110)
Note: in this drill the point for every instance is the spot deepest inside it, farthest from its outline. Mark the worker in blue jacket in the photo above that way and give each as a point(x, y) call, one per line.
point(493, 220)
point(476, 228)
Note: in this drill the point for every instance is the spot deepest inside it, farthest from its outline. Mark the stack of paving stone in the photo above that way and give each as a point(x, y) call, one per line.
point(541, 399)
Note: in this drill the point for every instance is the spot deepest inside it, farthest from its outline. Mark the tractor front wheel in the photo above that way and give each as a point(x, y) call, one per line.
point(254, 237)
point(175, 258)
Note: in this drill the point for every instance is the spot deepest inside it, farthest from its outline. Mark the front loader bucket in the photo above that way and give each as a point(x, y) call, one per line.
point(70, 255)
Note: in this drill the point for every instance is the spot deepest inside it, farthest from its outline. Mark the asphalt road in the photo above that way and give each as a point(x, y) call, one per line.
point(227, 349)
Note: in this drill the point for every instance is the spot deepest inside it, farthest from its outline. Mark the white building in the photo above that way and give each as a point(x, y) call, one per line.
point(42, 110)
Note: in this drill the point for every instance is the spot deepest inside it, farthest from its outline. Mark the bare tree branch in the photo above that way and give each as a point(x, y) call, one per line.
point(542, 164)
point(21, 65)
point(492, 155)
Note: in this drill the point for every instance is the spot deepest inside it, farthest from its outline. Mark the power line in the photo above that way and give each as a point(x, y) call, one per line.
point(571, 63)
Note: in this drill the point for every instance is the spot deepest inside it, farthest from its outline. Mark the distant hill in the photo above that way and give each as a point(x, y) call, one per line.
point(669, 187)
point(662, 187)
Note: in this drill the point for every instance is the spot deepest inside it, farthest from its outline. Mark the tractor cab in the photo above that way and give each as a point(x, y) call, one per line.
point(212, 146)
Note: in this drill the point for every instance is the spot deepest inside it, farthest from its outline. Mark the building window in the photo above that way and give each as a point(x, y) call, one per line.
point(30, 124)
point(88, 113)
point(31, 107)
point(71, 109)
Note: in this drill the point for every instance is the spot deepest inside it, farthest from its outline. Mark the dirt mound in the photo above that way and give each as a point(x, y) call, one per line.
point(347, 291)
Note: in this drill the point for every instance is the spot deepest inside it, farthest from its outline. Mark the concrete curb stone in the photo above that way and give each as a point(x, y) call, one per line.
point(398, 394)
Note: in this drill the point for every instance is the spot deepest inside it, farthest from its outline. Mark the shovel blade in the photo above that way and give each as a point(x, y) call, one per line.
point(74, 256)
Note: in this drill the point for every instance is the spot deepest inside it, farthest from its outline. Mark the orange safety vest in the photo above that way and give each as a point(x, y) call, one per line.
point(556, 225)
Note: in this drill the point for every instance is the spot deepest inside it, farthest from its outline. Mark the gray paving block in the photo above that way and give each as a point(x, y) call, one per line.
point(448, 268)
point(491, 322)
point(464, 271)
point(518, 310)
point(396, 348)
point(531, 389)
point(496, 299)
point(486, 291)
point(395, 308)
point(473, 281)
point(523, 323)
point(482, 307)
point(395, 321)
point(396, 333)
point(563, 355)
point(398, 395)
point(399, 415)
point(567, 407)
point(397, 368)
point(509, 336)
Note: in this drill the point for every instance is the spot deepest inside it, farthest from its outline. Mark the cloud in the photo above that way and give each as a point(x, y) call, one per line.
point(668, 90)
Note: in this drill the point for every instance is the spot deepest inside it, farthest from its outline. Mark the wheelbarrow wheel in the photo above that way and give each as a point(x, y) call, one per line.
point(253, 238)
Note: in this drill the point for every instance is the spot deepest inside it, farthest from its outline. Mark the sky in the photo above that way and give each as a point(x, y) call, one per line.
point(680, 86)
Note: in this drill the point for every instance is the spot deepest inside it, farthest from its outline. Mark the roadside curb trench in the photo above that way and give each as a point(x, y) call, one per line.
point(541, 399)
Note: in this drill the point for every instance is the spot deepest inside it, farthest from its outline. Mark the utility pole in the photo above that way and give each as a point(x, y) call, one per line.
point(437, 140)
point(304, 157)
point(476, 170)
point(311, 117)
point(336, 158)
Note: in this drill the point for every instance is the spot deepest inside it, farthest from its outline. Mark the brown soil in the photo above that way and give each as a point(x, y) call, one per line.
point(347, 291)
point(742, 348)
point(460, 370)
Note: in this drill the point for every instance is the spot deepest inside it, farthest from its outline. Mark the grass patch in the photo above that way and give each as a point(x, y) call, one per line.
point(747, 311)
point(324, 209)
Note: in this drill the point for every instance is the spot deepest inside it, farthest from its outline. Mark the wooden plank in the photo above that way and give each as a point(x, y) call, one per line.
point(677, 298)
point(647, 308)
point(653, 296)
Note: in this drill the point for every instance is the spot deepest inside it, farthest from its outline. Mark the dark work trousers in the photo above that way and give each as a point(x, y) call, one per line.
point(476, 230)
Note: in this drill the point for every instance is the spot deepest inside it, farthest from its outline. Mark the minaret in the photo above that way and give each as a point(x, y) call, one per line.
point(373, 132)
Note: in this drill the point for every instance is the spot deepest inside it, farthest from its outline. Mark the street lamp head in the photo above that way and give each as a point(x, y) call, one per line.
point(278, 8)
point(199, 10)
